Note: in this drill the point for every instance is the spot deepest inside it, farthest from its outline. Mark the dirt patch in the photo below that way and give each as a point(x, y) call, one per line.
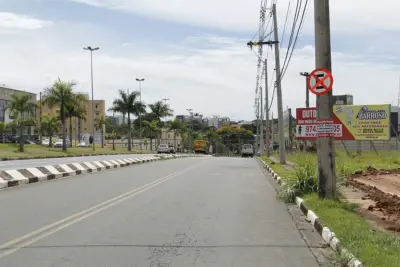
point(379, 201)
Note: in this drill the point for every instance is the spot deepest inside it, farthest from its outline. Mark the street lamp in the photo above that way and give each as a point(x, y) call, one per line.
point(191, 126)
point(91, 49)
point(140, 80)
point(305, 74)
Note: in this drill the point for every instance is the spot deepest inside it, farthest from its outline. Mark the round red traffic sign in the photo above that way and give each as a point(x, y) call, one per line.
point(320, 81)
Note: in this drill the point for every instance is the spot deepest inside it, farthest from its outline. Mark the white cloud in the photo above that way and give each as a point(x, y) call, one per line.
point(219, 79)
point(12, 21)
point(355, 16)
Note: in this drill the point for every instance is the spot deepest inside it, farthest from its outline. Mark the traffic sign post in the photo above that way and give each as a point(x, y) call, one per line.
point(320, 81)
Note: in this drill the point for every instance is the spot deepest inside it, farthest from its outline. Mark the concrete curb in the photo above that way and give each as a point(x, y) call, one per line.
point(12, 178)
point(70, 156)
point(327, 235)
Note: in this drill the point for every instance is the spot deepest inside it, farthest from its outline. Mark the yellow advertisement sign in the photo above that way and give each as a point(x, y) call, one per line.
point(363, 122)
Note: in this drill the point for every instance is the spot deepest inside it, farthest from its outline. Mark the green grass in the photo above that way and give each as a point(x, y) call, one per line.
point(346, 164)
point(10, 151)
point(285, 173)
point(374, 248)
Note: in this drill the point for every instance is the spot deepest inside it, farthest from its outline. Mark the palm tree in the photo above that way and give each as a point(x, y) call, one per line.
point(101, 123)
point(176, 127)
point(160, 110)
point(21, 106)
point(128, 103)
point(152, 130)
point(60, 95)
point(74, 109)
point(50, 125)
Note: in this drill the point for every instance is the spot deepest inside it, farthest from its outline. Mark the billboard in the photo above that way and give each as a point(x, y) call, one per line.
point(364, 122)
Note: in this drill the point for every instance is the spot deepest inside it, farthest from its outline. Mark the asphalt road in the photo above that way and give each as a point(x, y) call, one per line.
point(29, 163)
point(185, 212)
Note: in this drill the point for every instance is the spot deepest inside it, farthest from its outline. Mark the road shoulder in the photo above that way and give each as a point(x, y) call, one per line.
point(318, 248)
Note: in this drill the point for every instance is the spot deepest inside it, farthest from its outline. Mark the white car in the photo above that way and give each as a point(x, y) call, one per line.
point(60, 143)
point(163, 148)
point(247, 150)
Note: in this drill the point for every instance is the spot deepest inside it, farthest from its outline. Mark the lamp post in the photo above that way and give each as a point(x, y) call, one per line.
point(305, 74)
point(91, 49)
point(140, 80)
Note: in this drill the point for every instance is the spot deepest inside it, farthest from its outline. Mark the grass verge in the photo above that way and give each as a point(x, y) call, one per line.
point(10, 151)
point(373, 247)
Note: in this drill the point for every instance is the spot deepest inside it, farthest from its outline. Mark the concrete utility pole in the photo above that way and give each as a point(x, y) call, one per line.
point(262, 146)
point(140, 113)
point(91, 49)
point(325, 145)
point(282, 150)
point(305, 74)
point(40, 118)
point(267, 111)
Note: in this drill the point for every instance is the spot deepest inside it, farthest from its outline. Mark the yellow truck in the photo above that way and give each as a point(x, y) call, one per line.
point(201, 146)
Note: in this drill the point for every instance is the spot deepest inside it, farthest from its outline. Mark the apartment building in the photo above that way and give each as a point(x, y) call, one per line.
point(79, 126)
point(5, 97)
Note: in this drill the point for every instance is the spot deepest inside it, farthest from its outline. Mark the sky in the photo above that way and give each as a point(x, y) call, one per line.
point(193, 51)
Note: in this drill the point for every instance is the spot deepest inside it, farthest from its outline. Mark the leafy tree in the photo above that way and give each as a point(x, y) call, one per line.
point(112, 136)
point(60, 95)
point(128, 103)
point(50, 125)
point(232, 136)
point(3, 127)
point(21, 110)
point(211, 135)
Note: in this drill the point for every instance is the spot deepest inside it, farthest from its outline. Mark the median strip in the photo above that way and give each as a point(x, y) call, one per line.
point(12, 178)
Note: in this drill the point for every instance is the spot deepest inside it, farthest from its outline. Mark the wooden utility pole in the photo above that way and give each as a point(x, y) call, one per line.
point(325, 145)
point(282, 150)
point(267, 111)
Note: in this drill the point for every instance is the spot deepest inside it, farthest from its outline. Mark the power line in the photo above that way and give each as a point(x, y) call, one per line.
point(286, 20)
point(297, 36)
point(296, 17)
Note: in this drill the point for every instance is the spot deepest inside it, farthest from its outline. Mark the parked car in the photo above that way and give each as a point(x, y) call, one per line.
point(163, 148)
point(247, 150)
point(172, 150)
point(60, 143)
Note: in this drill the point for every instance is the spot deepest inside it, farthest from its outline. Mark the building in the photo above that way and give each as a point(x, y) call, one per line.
point(218, 122)
point(342, 100)
point(79, 126)
point(5, 97)
point(167, 137)
point(115, 119)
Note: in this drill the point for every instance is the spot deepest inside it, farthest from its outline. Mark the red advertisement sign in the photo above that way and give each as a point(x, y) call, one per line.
point(309, 128)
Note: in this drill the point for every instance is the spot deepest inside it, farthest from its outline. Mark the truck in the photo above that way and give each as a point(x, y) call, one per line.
point(247, 150)
point(201, 147)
